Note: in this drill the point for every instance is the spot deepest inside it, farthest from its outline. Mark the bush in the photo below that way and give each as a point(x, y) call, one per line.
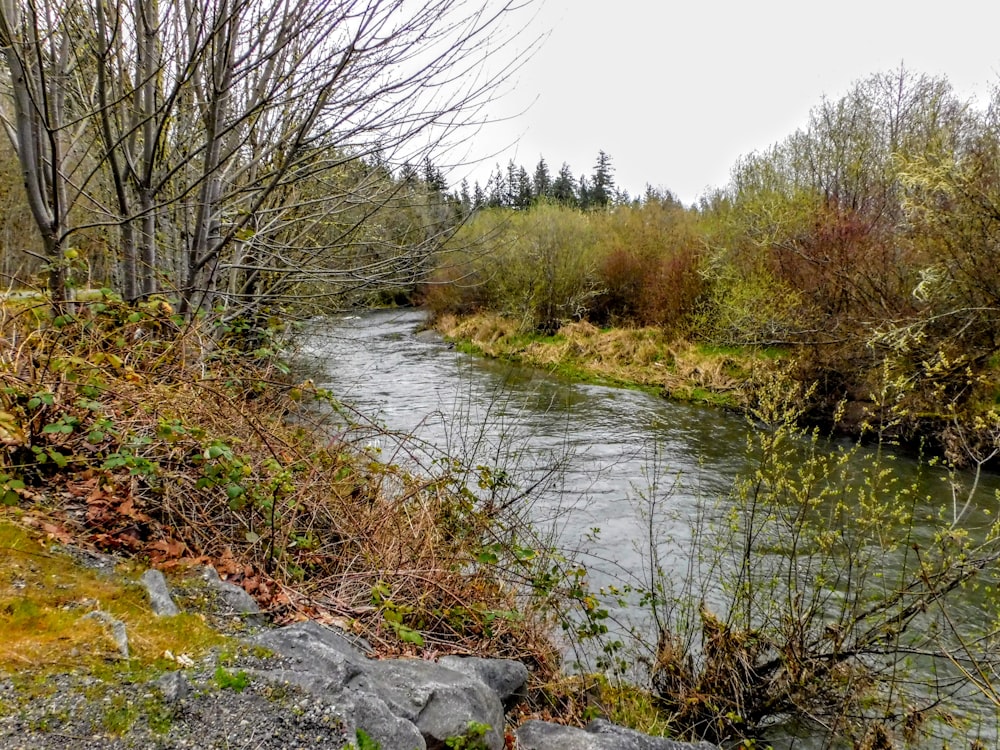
point(536, 266)
point(824, 595)
point(649, 269)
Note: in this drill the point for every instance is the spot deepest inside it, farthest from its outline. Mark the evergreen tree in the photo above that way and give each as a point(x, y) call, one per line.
point(464, 198)
point(407, 173)
point(542, 180)
point(585, 200)
point(512, 183)
point(496, 190)
point(602, 184)
point(478, 196)
point(434, 177)
point(564, 186)
point(524, 193)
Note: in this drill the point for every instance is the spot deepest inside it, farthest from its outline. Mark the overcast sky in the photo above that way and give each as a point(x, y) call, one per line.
point(675, 92)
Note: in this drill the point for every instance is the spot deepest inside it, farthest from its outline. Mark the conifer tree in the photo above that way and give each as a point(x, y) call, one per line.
point(464, 198)
point(542, 180)
point(602, 184)
point(496, 190)
point(434, 177)
point(524, 194)
point(585, 199)
point(564, 186)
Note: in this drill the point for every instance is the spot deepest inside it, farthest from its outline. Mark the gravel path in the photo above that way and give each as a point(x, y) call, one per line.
point(70, 712)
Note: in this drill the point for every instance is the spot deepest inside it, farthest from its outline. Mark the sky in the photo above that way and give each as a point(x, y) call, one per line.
point(676, 92)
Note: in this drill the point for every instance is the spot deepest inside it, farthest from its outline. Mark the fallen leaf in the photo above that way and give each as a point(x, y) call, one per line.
point(57, 533)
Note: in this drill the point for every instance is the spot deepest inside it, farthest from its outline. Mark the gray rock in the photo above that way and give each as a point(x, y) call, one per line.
point(309, 641)
point(369, 713)
point(598, 735)
point(505, 677)
point(117, 628)
point(234, 598)
point(426, 699)
point(441, 702)
point(173, 686)
point(612, 732)
point(159, 594)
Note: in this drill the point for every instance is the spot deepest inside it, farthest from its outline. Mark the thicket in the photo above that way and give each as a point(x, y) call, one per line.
point(863, 245)
point(118, 431)
point(555, 264)
point(828, 594)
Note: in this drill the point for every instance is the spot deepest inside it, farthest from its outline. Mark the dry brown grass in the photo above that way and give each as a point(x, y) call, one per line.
point(119, 423)
point(644, 357)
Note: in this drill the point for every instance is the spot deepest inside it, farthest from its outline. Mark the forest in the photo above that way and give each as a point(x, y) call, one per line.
point(186, 186)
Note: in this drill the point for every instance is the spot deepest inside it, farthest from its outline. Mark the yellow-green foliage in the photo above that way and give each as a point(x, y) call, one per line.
point(643, 357)
point(554, 264)
point(536, 266)
point(749, 309)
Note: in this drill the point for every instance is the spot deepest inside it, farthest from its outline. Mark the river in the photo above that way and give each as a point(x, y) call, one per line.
point(609, 445)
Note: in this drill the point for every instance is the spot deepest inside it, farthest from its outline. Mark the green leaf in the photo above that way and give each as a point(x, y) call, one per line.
point(408, 635)
point(58, 458)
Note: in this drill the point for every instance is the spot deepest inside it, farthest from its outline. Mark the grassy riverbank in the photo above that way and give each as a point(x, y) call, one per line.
point(916, 413)
point(645, 358)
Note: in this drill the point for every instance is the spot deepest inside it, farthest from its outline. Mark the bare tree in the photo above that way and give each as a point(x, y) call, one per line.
point(40, 60)
point(209, 114)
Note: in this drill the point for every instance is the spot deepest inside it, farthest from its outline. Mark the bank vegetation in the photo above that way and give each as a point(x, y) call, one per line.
point(858, 254)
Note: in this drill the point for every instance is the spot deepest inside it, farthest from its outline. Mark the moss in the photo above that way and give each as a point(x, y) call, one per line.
point(44, 595)
point(227, 680)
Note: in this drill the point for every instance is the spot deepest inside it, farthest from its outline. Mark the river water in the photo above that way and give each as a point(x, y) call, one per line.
point(609, 448)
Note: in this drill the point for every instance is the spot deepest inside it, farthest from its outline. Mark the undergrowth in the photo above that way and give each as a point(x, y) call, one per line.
point(130, 430)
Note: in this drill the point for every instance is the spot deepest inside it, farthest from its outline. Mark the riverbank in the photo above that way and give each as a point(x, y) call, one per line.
point(644, 358)
point(920, 416)
point(101, 656)
point(125, 431)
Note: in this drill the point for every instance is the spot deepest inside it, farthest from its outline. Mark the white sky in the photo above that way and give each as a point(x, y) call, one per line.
point(675, 92)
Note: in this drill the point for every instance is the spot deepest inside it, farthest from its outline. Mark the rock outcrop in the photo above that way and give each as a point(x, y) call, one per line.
point(400, 703)
point(300, 685)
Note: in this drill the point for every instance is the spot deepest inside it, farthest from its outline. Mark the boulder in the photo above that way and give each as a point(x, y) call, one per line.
point(598, 735)
point(440, 702)
point(505, 677)
point(232, 598)
point(159, 593)
point(395, 700)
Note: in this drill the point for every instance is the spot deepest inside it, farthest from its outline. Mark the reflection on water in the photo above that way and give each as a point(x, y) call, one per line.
point(611, 445)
